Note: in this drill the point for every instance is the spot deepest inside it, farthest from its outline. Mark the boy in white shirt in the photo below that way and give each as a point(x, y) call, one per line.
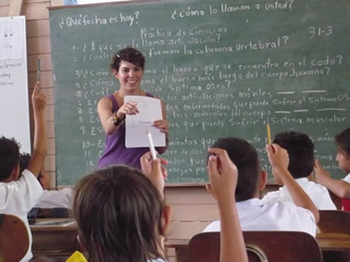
point(254, 215)
point(18, 195)
point(301, 165)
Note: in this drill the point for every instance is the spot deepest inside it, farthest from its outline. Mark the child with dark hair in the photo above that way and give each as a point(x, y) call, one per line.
point(18, 195)
point(128, 67)
point(341, 188)
point(301, 165)
point(223, 176)
point(121, 215)
point(302, 215)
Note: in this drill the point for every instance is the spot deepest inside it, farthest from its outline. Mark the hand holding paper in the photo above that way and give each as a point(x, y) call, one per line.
point(150, 110)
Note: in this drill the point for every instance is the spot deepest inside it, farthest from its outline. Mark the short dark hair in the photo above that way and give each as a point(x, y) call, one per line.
point(300, 151)
point(118, 212)
point(245, 157)
point(343, 141)
point(9, 156)
point(130, 55)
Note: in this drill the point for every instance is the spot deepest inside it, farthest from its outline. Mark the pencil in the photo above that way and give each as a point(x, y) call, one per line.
point(38, 70)
point(151, 145)
point(268, 132)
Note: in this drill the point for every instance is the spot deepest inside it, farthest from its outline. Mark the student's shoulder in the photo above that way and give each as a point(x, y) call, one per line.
point(29, 184)
point(273, 196)
point(316, 188)
point(28, 176)
point(213, 227)
point(286, 207)
point(347, 178)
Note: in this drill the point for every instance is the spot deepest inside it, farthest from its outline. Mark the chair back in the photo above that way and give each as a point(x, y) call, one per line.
point(268, 246)
point(14, 238)
point(334, 221)
point(255, 254)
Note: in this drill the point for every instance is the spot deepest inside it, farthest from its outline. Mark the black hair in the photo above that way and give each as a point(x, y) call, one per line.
point(245, 157)
point(118, 212)
point(128, 54)
point(343, 141)
point(300, 151)
point(9, 156)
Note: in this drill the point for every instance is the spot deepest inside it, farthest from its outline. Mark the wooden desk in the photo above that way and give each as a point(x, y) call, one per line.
point(57, 238)
point(54, 237)
point(333, 242)
point(335, 247)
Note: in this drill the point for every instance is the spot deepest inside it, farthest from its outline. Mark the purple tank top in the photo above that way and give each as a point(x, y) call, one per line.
point(115, 151)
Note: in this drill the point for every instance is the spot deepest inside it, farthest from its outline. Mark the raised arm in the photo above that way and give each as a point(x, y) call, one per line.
point(36, 162)
point(338, 187)
point(223, 181)
point(163, 126)
point(279, 161)
point(154, 170)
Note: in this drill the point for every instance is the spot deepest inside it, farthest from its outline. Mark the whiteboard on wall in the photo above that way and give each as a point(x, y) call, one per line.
point(14, 103)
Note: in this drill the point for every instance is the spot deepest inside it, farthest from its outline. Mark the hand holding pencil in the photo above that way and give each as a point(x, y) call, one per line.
point(151, 144)
point(38, 70)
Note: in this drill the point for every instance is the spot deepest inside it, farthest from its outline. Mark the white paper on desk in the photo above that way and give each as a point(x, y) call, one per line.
point(150, 109)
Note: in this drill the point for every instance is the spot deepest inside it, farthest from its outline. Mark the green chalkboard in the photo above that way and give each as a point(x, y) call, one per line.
point(221, 67)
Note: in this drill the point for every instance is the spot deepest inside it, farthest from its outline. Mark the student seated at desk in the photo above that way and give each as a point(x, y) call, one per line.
point(301, 166)
point(50, 198)
point(223, 175)
point(341, 188)
point(121, 215)
point(18, 195)
point(302, 215)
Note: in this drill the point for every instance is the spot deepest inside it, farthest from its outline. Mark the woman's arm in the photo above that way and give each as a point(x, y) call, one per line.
point(104, 109)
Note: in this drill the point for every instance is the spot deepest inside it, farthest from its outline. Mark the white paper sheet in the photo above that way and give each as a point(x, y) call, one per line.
point(150, 109)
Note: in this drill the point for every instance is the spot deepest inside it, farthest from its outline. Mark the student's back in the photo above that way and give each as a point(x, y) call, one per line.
point(301, 165)
point(253, 213)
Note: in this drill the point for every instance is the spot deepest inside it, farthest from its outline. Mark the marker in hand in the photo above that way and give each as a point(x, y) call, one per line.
point(151, 145)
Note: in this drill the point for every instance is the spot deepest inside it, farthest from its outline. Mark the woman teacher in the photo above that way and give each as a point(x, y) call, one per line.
point(128, 67)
